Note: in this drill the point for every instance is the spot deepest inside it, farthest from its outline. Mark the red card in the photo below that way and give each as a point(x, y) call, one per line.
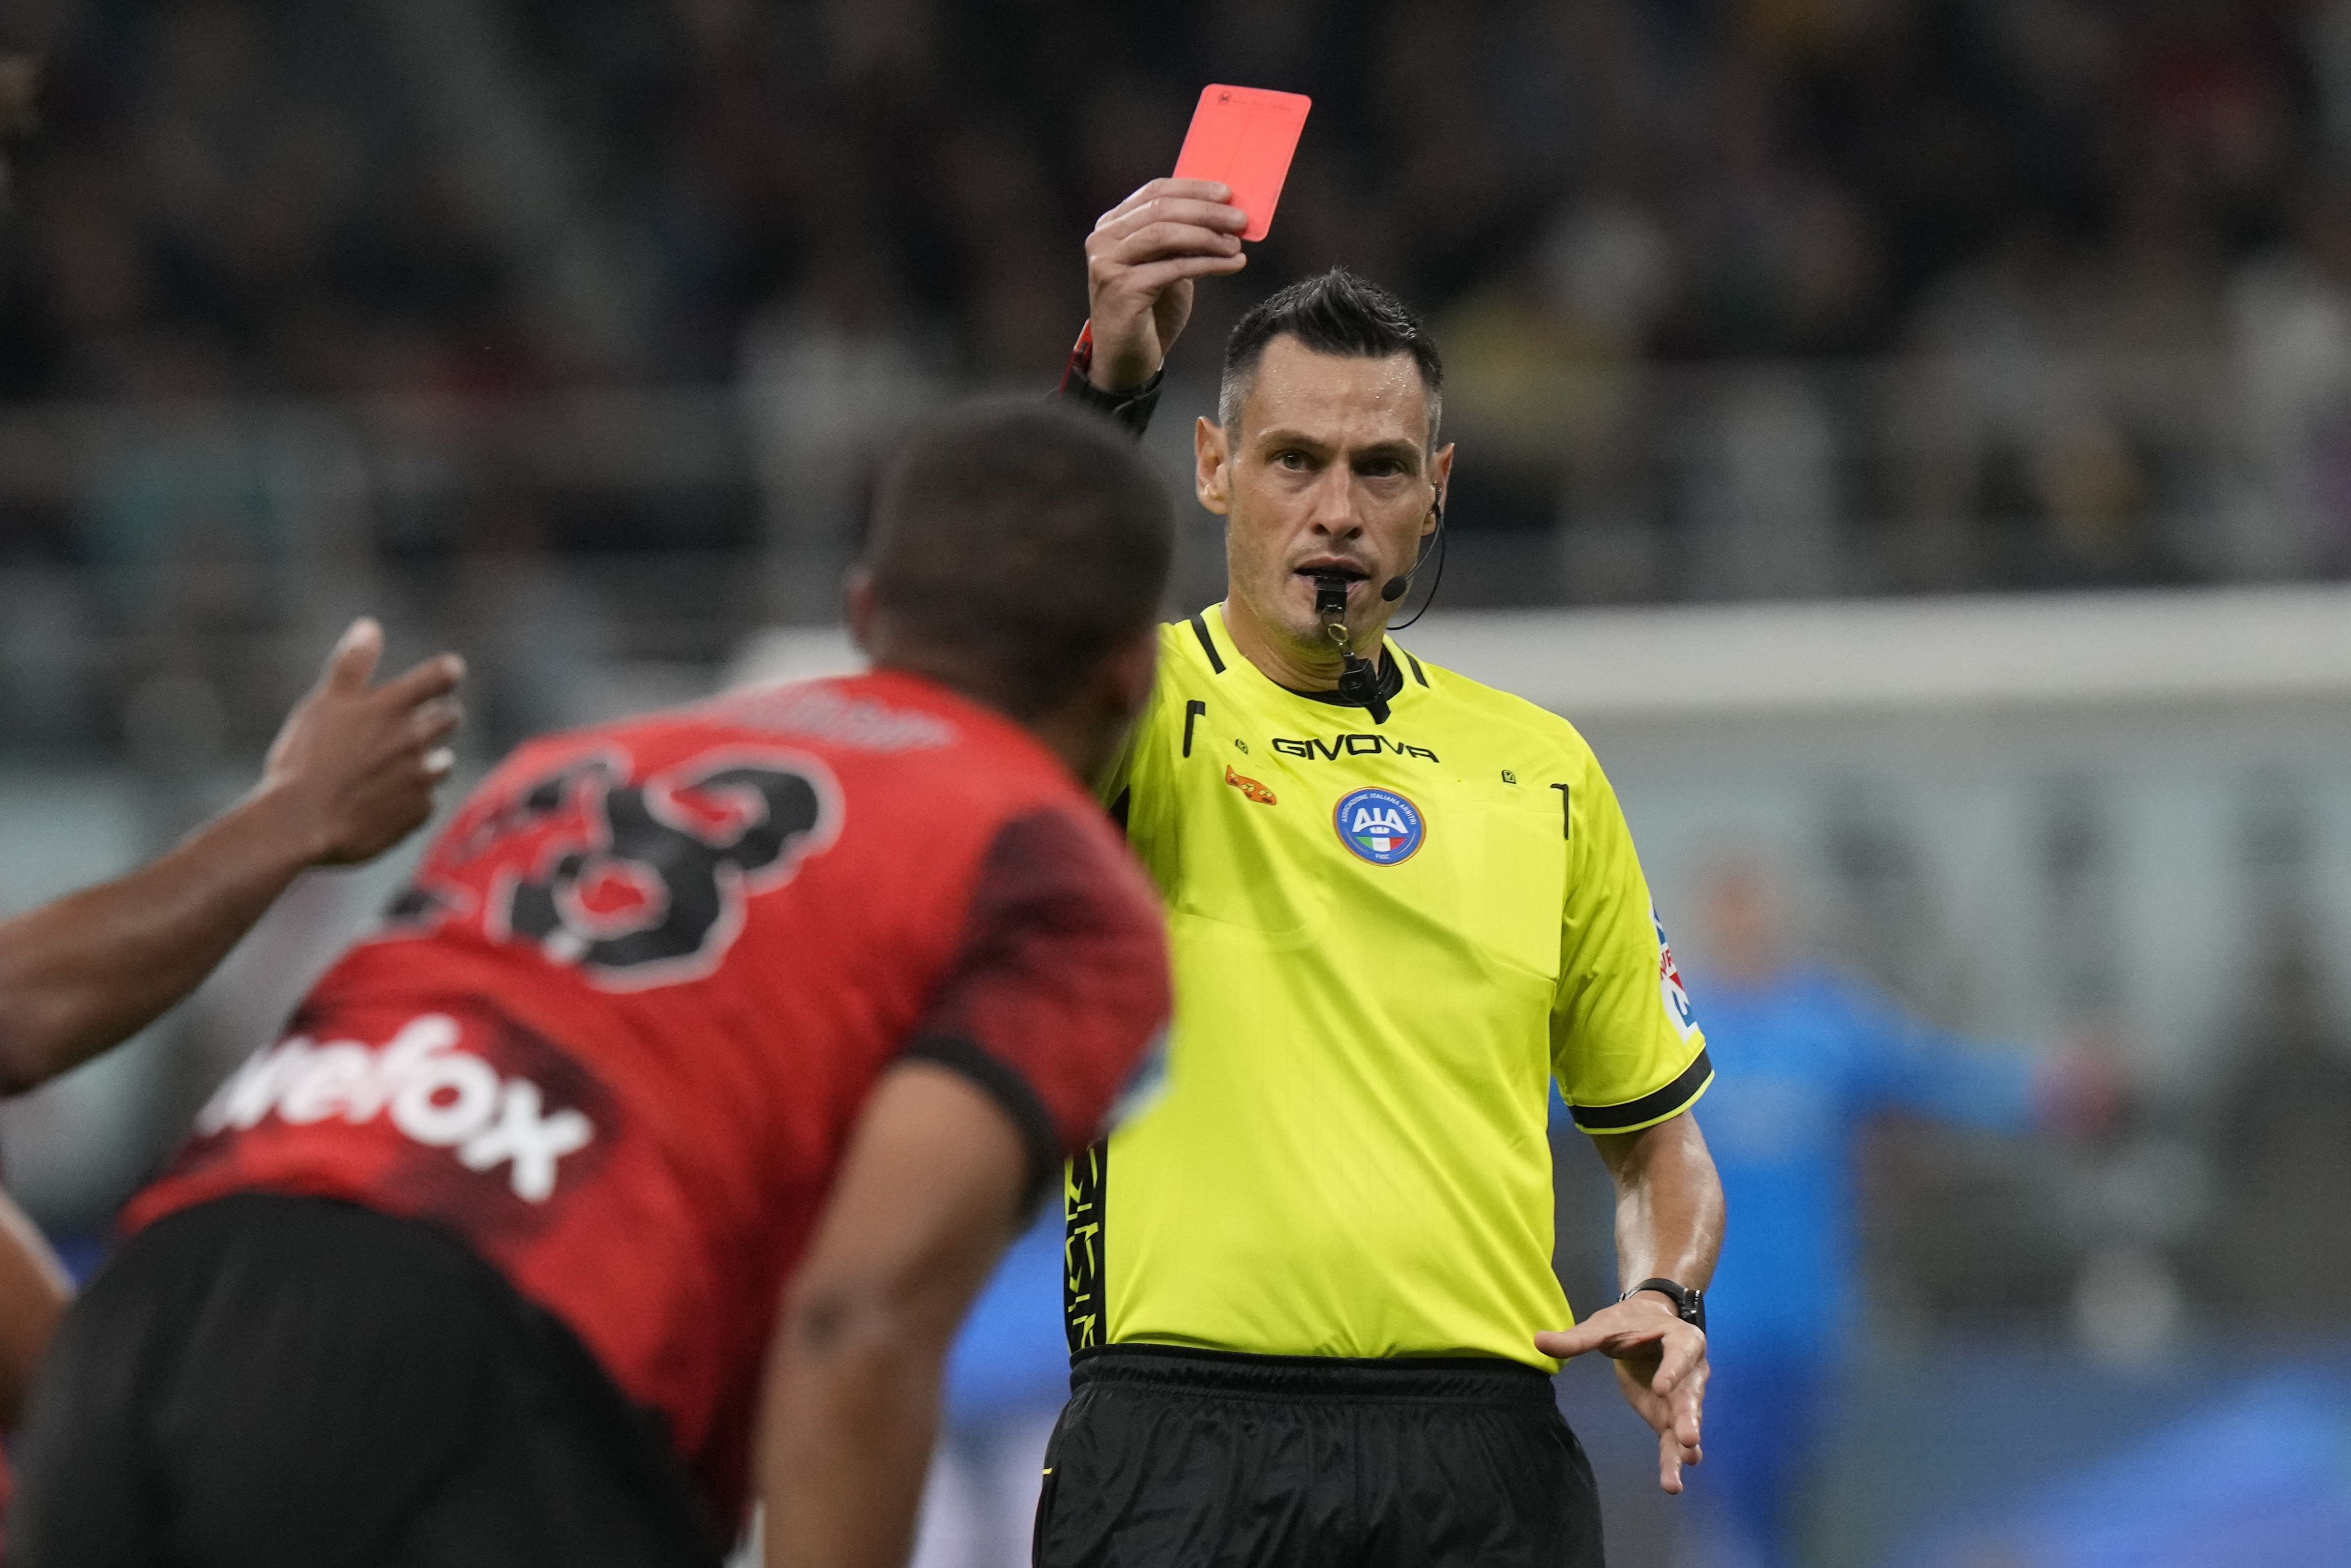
point(1244, 136)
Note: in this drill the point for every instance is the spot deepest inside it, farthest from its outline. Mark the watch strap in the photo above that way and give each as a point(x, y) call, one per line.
point(1690, 1305)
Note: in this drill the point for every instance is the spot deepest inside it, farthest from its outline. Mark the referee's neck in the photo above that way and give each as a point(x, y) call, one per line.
point(1284, 661)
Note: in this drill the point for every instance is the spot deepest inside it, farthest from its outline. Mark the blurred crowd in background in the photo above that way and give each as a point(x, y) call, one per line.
point(242, 196)
point(1743, 298)
point(570, 333)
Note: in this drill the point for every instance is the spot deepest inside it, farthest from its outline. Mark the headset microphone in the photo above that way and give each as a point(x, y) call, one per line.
point(1395, 588)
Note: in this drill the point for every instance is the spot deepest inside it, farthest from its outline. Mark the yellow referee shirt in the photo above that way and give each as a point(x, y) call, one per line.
point(1388, 938)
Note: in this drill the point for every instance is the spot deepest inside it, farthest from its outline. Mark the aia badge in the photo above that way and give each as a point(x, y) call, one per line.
point(1248, 787)
point(1380, 825)
point(1669, 981)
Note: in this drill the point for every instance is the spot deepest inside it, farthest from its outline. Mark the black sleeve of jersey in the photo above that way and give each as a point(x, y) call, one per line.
point(1130, 411)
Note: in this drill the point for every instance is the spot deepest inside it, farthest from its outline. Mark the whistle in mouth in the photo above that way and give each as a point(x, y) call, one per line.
point(1330, 596)
point(1359, 682)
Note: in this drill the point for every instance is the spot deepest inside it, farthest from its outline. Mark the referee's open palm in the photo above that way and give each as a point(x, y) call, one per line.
point(1660, 1366)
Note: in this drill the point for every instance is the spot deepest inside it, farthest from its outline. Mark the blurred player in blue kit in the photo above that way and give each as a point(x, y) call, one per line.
point(1805, 1057)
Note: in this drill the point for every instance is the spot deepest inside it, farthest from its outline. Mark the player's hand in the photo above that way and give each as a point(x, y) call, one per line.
point(1660, 1367)
point(360, 763)
point(2079, 1091)
point(1140, 260)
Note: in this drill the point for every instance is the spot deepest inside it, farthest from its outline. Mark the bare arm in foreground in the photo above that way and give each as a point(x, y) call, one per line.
point(33, 1293)
point(926, 1202)
point(351, 774)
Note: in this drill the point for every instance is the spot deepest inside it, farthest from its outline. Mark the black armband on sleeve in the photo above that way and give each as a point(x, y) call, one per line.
point(1131, 410)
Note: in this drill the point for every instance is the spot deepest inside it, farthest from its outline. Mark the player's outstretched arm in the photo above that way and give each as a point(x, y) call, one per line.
point(1141, 261)
point(351, 774)
point(926, 1202)
point(1668, 1226)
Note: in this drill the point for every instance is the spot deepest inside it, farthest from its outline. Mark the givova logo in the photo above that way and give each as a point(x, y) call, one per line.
point(1380, 825)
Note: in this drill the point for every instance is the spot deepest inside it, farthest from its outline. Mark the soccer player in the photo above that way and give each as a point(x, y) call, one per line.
point(712, 1054)
point(1310, 1301)
point(1809, 1056)
point(351, 773)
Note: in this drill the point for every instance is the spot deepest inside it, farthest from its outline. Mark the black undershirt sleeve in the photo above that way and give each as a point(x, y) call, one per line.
point(1130, 411)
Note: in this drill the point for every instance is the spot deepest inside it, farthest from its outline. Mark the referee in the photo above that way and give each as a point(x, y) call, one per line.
point(1311, 1312)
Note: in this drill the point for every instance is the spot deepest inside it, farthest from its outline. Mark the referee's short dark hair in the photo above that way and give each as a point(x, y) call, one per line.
point(1023, 541)
point(1335, 312)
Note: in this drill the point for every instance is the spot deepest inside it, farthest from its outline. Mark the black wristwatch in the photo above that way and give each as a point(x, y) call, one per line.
point(1688, 1306)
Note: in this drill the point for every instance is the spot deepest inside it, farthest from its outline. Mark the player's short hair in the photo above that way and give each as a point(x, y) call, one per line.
point(1022, 541)
point(1334, 313)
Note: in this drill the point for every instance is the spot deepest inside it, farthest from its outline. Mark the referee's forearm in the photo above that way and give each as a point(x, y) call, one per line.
point(1668, 1203)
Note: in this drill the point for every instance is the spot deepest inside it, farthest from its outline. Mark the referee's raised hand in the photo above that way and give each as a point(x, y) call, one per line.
point(1660, 1366)
point(1140, 260)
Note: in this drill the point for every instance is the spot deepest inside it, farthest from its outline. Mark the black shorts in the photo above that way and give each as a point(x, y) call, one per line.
point(1185, 1458)
point(296, 1383)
